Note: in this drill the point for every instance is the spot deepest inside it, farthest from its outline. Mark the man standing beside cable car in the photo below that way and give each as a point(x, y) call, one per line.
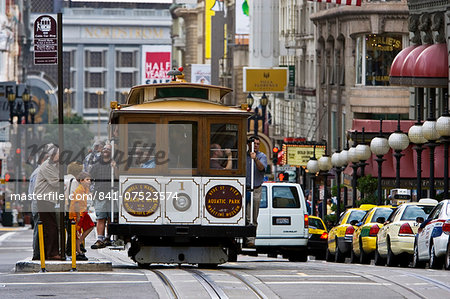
point(258, 160)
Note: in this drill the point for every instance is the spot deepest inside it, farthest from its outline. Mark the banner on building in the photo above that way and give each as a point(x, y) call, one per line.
point(265, 80)
point(299, 155)
point(156, 62)
point(343, 2)
point(242, 22)
point(201, 73)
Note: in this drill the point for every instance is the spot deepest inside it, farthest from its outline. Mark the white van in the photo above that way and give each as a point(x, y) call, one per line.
point(282, 221)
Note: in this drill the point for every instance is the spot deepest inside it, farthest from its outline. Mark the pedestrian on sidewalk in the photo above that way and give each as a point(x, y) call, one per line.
point(47, 187)
point(78, 212)
point(70, 185)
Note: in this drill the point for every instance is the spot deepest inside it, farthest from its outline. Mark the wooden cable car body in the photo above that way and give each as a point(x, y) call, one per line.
point(180, 208)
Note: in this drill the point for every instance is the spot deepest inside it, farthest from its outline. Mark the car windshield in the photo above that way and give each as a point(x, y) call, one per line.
point(356, 215)
point(315, 223)
point(414, 211)
point(382, 212)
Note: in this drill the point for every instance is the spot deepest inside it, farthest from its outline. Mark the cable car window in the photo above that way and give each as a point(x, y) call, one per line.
point(183, 144)
point(141, 145)
point(223, 146)
point(182, 92)
point(285, 197)
point(263, 203)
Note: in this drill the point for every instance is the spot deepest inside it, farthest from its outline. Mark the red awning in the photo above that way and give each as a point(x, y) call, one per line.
point(343, 2)
point(431, 67)
point(395, 76)
point(407, 72)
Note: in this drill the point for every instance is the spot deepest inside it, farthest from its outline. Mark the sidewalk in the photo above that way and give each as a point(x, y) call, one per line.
point(97, 261)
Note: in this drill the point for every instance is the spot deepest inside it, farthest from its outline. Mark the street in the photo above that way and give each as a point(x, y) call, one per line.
point(250, 277)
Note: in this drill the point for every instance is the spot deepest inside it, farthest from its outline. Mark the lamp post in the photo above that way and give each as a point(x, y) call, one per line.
point(364, 154)
point(10, 94)
point(353, 157)
point(68, 92)
point(443, 128)
point(338, 162)
point(380, 147)
point(26, 100)
point(431, 134)
point(313, 168)
point(398, 141)
point(325, 166)
point(415, 136)
point(264, 101)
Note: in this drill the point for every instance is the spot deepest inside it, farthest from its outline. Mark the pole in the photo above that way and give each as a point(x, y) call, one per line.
point(432, 146)
point(446, 168)
point(313, 196)
point(380, 161)
point(338, 195)
point(398, 155)
point(419, 150)
point(252, 182)
point(62, 234)
point(74, 240)
point(354, 184)
point(325, 197)
point(41, 245)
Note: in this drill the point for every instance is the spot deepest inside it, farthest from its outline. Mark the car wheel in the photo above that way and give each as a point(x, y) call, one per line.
point(379, 260)
point(339, 257)
point(447, 257)
point(364, 258)
point(232, 253)
point(391, 259)
point(353, 257)
point(416, 262)
point(328, 256)
point(435, 262)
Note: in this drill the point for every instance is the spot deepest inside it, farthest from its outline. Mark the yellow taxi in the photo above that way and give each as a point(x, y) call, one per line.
point(318, 235)
point(340, 237)
point(365, 235)
point(395, 240)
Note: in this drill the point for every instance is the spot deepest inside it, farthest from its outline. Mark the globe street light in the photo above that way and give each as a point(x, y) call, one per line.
point(313, 168)
point(443, 128)
point(431, 134)
point(415, 136)
point(325, 166)
point(353, 157)
point(364, 154)
point(380, 147)
point(398, 141)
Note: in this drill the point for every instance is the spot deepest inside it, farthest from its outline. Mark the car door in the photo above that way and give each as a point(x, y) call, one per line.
point(263, 229)
point(424, 238)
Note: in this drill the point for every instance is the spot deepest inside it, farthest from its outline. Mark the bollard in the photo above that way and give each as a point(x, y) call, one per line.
point(41, 245)
point(74, 242)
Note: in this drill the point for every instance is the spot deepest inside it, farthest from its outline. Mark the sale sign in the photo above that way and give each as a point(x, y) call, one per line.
point(156, 62)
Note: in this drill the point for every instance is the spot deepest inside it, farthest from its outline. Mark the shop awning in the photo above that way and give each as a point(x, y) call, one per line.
point(431, 67)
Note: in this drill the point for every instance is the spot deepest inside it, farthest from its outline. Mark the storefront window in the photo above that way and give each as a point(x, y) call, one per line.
point(374, 56)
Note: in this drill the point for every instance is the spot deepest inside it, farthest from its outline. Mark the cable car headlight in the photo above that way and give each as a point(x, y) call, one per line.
point(182, 202)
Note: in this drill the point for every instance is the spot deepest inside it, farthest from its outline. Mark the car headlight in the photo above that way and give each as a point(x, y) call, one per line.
point(182, 202)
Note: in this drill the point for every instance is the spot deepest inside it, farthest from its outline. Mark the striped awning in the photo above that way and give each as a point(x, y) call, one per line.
point(343, 2)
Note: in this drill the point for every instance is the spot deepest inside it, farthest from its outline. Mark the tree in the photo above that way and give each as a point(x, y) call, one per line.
point(368, 185)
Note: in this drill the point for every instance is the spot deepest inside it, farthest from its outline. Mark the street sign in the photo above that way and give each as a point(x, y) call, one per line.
point(45, 40)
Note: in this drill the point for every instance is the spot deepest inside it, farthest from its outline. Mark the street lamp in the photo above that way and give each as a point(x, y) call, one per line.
point(443, 128)
point(338, 163)
point(313, 168)
point(68, 92)
point(431, 134)
point(26, 100)
point(416, 136)
point(264, 101)
point(398, 141)
point(11, 98)
point(380, 147)
point(99, 94)
point(353, 157)
point(364, 154)
point(325, 166)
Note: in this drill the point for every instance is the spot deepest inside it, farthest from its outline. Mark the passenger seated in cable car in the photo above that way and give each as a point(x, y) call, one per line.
point(217, 157)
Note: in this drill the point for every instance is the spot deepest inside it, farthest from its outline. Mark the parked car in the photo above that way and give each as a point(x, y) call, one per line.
point(395, 240)
point(340, 237)
point(365, 235)
point(283, 221)
point(433, 237)
point(318, 236)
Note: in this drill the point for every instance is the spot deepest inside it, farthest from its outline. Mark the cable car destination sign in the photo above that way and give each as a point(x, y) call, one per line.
point(299, 155)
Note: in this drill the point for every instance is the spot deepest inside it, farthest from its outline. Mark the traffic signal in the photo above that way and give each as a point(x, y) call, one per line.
point(7, 177)
point(283, 176)
point(275, 151)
